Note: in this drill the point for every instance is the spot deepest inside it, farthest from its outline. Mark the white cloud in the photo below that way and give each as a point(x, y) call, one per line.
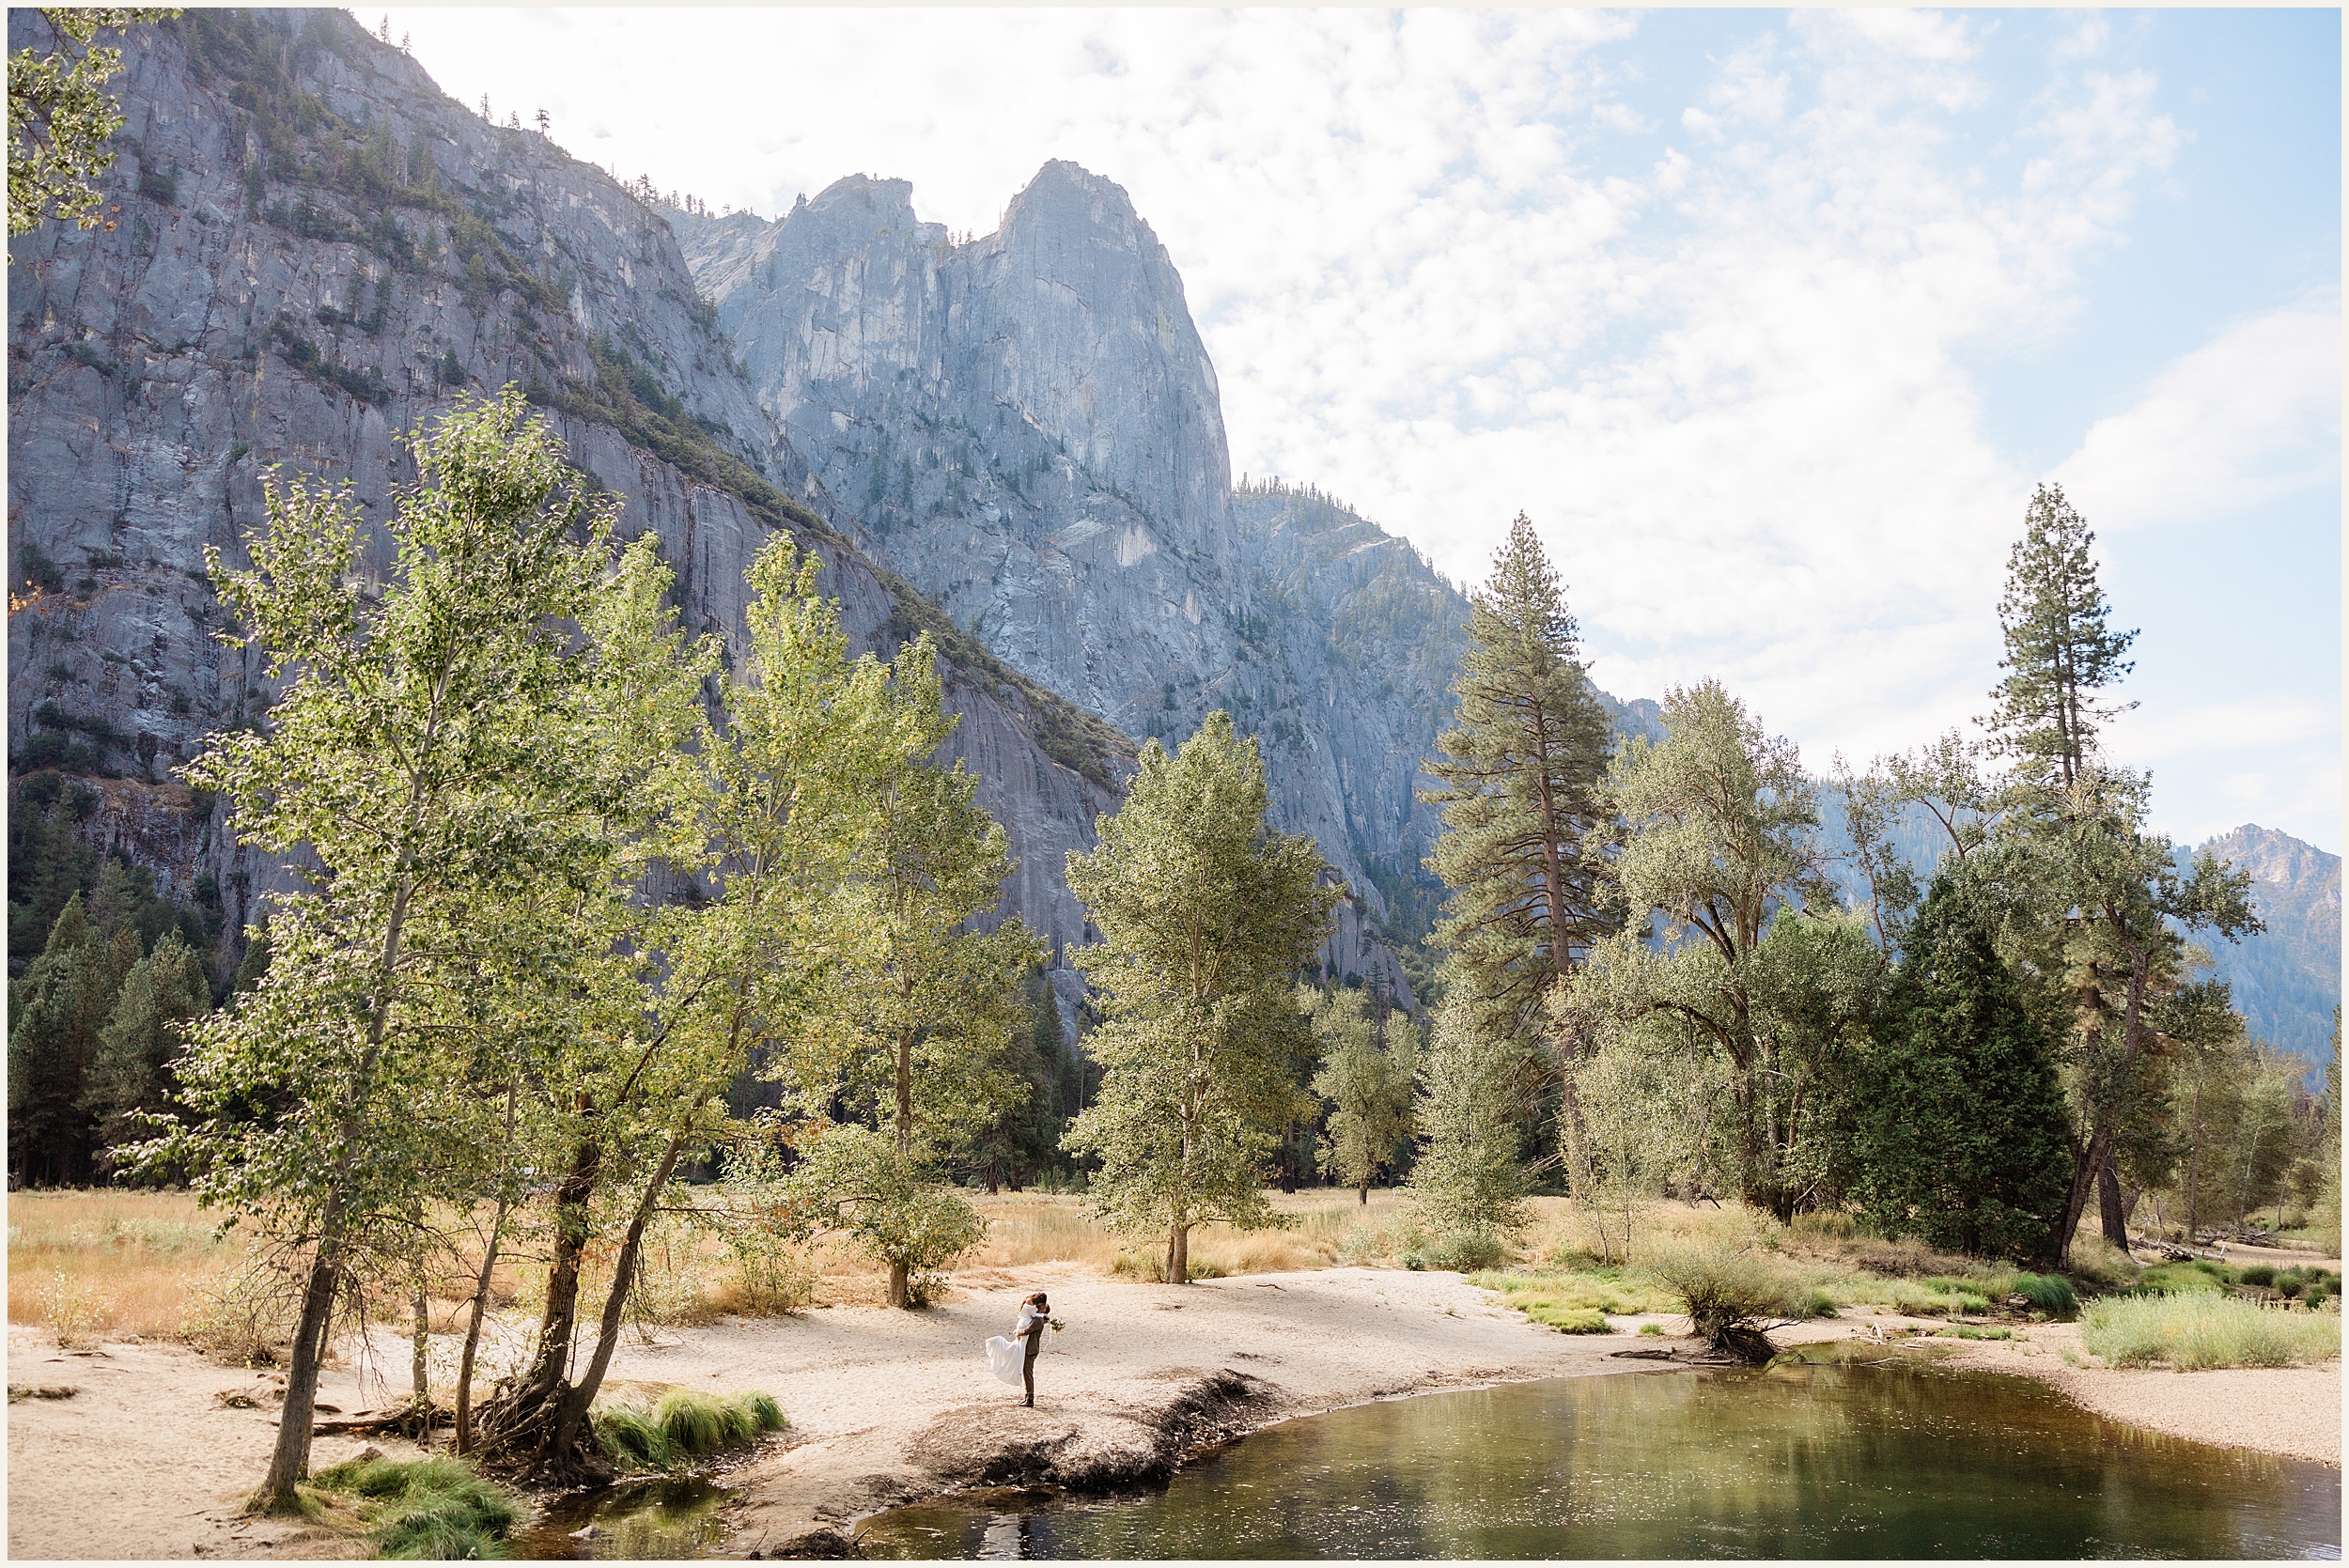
point(1443, 273)
point(2247, 419)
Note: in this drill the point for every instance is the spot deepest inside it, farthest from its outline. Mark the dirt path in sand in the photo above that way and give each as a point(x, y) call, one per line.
point(147, 1461)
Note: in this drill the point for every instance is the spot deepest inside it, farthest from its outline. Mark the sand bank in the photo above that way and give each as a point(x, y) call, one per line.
point(149, 1460)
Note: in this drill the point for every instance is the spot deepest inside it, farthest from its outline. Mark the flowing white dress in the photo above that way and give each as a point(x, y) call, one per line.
point(1005, 1355)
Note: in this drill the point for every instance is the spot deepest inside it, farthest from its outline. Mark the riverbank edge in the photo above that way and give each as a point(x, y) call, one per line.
point(1204, 1414)
point(1216, 1408)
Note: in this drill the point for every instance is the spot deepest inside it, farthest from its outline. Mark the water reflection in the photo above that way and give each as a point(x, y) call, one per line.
point(645, 1519)
point(1788, 1462)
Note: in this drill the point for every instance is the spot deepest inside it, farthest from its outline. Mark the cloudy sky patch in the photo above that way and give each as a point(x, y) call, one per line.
point(1771, 321)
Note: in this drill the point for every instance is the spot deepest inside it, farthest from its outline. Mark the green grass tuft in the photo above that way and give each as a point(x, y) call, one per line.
point(684, 1426)
point(434, 1510)
point(2180, 1278)
point(2052, 1294)
point(2193, 1331)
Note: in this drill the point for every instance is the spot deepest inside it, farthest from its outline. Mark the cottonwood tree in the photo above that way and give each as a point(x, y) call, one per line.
point(60, 117)
point(1738, 932)
point(778, 806)
point(415, 769)
point(1206, 919)
point(926, 1007)
point(1367, 1068)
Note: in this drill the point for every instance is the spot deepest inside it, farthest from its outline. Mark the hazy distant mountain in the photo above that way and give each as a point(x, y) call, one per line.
point(2287, 979)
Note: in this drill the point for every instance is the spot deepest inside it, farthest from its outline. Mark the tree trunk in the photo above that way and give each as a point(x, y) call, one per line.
point(2114, 1213)
point(572, 1418)
point(897, 1283)
point(1361, 1194)
point(473, 1331)
point(289, 1460)
point(419, 1354)
point(1178, 1255)
point(515, 1424)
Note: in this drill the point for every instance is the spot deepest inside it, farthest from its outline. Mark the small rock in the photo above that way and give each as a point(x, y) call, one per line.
point(370, 1451)
point(585, 1532)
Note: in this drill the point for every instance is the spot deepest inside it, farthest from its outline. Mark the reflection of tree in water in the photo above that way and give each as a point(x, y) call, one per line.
point(1788, 1462)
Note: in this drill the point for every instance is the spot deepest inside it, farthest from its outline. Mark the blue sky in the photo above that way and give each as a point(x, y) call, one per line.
point(1770, 319)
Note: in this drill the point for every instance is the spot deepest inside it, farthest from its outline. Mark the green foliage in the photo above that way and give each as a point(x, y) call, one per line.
point(1569, 1300)
point(684, 1426)
point(1467, 1179)
point(129, 1088)
point(1962, 1140)
point(430, 1510)
point(1205, 917)
point(2051, 1294)
point(1749, 953)
point(889, 1202)
point(1366, 1081)
point(2059, 652)
point(60, 117)
point(1730, 1294)
point(1522, 813)
point(2194, 1330)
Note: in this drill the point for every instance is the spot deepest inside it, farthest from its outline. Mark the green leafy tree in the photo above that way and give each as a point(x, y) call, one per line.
point(1468, 1184)
point(60, 117)
point(1736, 933)
point(1962, 1134)
point(927, 1006)
point(1368, 1067)
point(131, 1084)
point(1521, 774)
point(1206, 919)
point(416, 762)
point(858, 1180)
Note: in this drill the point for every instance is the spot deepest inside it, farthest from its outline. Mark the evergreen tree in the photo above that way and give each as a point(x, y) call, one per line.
point(1367, 1070)
point(2060, 650)
point(1205, 917)
point(1962, 1135)
point(130, 1078)
point(1521, 772)
point(60, 1006)
point(2092, 907)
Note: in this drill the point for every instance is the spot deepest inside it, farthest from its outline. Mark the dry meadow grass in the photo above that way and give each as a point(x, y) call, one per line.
point(117, 1264)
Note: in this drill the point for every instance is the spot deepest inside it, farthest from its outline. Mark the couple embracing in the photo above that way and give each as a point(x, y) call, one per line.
point(1013, 1359)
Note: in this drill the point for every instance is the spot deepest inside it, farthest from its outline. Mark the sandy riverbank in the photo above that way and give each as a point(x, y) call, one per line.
point(146, 1461)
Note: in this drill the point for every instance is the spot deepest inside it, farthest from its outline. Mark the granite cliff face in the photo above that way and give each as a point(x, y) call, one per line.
point(1028, 428)
point(315, 251)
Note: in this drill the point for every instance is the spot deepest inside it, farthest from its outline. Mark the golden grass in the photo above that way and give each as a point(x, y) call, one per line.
point(117, 1264)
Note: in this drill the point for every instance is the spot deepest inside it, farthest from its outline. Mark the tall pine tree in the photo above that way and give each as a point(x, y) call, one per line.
point(1521, 772)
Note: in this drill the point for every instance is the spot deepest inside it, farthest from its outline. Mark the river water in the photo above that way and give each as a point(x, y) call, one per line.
point(1786, 1462)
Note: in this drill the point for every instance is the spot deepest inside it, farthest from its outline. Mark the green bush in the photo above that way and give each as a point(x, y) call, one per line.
point(2257, 1274)
point(2192, 1331)
point(1465, 1251)
point(425, 1510)
point(2290, 1283)
point(683, 1426)
point(1728, 1294)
